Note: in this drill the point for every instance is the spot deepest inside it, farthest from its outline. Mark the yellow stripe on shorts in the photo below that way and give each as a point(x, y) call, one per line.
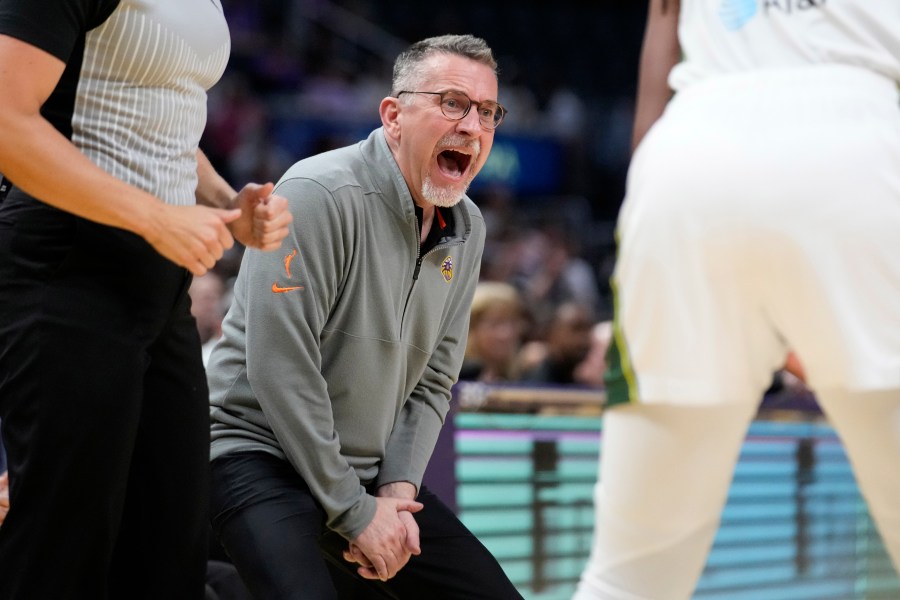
point(620, 378)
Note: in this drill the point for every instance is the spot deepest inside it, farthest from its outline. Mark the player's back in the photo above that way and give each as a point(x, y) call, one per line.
point(727, 36)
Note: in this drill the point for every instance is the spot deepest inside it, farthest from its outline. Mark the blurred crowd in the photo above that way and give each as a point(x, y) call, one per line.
point(567, 71)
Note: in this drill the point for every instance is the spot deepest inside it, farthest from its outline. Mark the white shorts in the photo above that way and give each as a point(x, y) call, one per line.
point(762, 214)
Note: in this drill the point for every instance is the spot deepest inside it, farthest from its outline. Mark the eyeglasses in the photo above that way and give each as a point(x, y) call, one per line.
point(456, 105)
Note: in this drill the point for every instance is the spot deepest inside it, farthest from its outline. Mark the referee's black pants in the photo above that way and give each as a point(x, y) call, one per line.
point(104, 411)
point(274, 531)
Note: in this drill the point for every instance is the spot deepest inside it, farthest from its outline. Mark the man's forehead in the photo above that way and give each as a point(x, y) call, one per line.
point(453, 72)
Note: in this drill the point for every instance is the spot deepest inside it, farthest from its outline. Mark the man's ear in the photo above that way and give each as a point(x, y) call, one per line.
point(389, 109)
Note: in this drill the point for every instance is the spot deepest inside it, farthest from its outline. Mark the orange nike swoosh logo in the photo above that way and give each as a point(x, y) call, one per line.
point(280, 290)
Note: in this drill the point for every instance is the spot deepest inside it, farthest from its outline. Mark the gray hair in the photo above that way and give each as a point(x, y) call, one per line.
point(407, 72)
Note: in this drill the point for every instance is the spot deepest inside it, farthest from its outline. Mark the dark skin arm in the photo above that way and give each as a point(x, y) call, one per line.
point(659, 53)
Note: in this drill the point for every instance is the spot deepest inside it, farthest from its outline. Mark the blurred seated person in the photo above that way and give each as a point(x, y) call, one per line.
point(589, 372)
point(496, 327)
point(208, 309)
point(550, 271)
point(565, 345)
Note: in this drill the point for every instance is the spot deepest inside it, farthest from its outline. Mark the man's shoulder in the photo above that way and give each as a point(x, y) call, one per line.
point(340, 165)
point(334, 176)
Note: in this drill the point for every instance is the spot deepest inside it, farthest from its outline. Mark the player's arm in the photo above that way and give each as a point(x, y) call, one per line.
point(659, 53)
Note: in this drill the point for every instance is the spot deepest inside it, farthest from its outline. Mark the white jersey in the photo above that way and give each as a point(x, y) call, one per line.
point(728, 36)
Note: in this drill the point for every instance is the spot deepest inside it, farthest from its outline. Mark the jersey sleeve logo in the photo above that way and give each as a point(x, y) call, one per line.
point(279, 289)
point(447, 269)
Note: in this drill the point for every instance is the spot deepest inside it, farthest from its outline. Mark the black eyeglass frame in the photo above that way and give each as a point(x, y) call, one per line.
point(501, 110)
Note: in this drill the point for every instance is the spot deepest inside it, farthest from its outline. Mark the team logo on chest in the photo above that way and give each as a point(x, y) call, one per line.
point(447, 269)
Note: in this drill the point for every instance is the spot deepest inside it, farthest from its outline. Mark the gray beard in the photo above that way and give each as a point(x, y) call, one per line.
point(442, 196)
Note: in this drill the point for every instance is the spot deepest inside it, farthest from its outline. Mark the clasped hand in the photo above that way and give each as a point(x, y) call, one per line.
point(386, 545)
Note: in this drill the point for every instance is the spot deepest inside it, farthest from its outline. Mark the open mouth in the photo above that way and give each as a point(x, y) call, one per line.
point(453, 163)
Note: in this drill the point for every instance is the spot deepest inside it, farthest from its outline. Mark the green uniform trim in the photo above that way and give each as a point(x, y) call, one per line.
point(620, 378)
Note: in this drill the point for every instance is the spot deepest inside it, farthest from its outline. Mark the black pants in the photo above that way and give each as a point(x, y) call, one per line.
point(104, 412)
point(266, 518)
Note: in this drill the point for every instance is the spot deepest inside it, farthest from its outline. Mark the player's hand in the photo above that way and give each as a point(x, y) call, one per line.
point(264, 218)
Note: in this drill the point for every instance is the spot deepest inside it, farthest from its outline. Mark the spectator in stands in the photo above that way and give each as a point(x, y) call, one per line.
point(235, 113)
point(550, 272)
point(592, 369)
point(496, 331)
point(208, 306)
point(566, 344)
